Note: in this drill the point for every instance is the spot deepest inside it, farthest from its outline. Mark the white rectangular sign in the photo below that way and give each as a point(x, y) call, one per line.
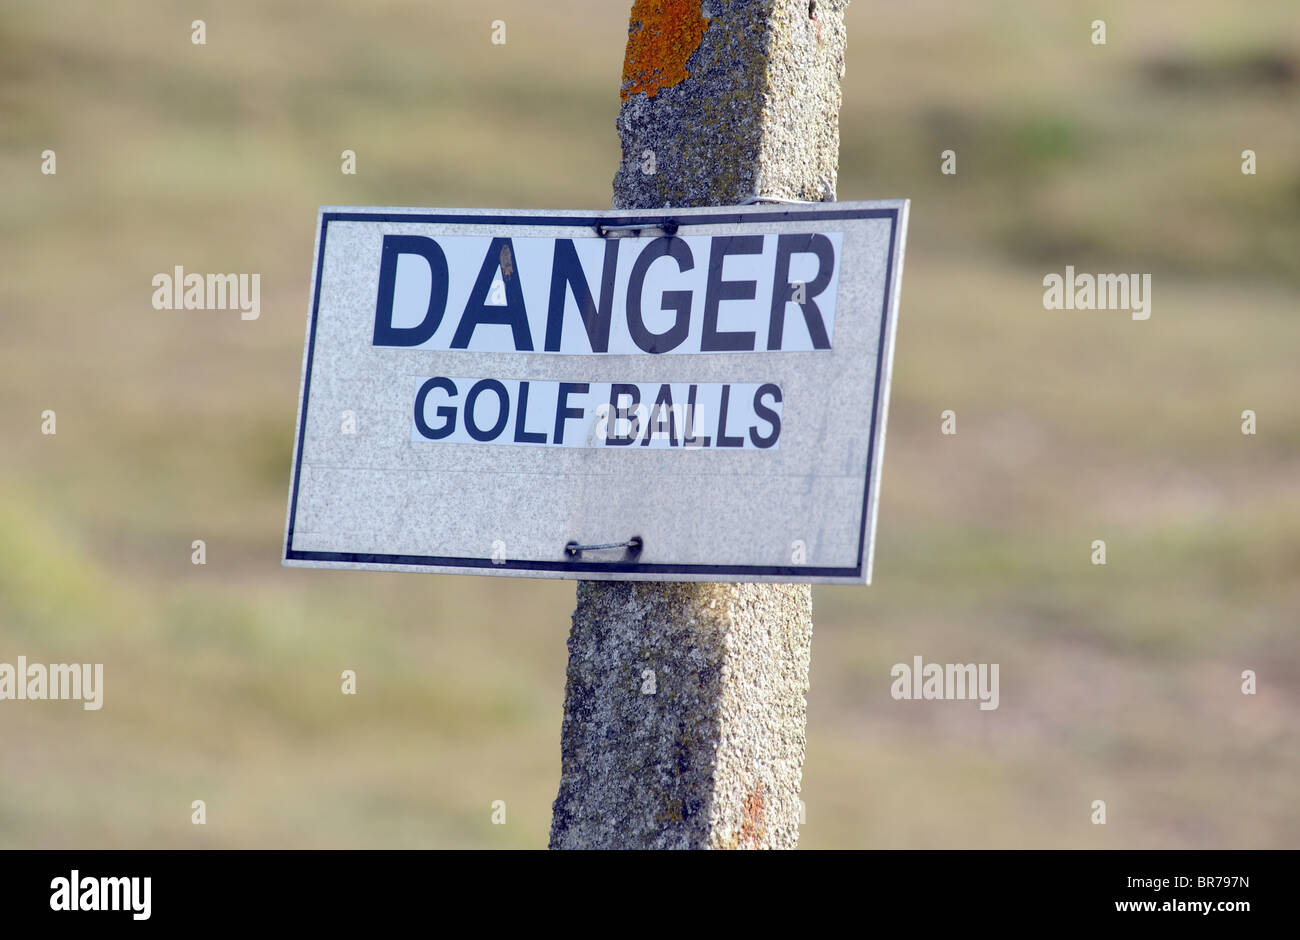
point(681, 394)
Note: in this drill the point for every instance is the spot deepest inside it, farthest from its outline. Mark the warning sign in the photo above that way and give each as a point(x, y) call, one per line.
point(689, 394)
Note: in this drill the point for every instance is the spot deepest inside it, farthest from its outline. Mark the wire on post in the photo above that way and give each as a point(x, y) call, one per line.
point(633, 546)
point(667, 227)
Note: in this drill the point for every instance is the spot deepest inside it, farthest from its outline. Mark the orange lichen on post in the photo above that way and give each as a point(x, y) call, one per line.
point(664, 34)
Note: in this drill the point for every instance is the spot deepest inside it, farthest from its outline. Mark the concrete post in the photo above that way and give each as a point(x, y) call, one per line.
point(685, 706)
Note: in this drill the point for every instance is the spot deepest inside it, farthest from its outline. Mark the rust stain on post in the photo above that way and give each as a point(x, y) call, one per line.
point(662, 36)
point(753, 827)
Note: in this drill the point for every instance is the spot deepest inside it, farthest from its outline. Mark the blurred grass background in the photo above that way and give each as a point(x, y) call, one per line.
point(1119, 683)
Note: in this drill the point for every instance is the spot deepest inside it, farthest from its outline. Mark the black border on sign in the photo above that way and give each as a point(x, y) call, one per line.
point(795, 572)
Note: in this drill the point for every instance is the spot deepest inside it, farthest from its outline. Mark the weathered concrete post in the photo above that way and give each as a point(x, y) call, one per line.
point(685, 707)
